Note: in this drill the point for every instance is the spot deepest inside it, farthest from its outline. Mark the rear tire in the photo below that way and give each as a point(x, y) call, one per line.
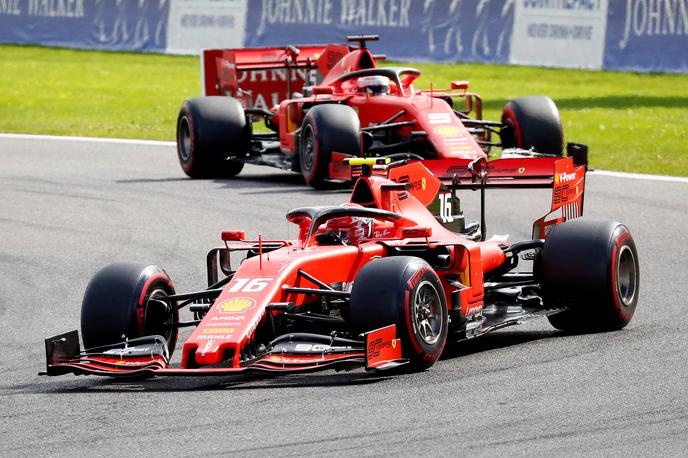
point(208, 130)
point(117, 303)
point(533, 122)
point(327, 128)
point(591, 268)
point(404, 291)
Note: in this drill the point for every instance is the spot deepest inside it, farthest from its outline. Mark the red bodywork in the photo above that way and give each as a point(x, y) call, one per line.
point(265, 281)
point(268, 79)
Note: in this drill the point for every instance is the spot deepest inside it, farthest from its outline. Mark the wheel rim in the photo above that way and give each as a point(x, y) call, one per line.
point(158, 315)
point(308, 149)
point(626, 278)
point(428, 318)
point(184, 140)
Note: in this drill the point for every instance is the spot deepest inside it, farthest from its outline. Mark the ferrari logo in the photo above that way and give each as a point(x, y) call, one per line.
point(423, 184)
point(522, 170)
point(237, 304)
point(394, 343)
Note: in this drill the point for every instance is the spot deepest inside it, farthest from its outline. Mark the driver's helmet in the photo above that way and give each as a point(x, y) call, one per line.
point(350, 228)
point(374, 84)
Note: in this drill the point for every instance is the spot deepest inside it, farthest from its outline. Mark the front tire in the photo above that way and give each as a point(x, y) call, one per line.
point(208, 130)
point(591, 268)
point(533, 122)
point(404, 291)
point(120, 300)
point(325, 129)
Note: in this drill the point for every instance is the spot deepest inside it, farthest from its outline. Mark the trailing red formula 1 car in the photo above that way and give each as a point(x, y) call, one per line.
point(381, 281)
point(324, 103)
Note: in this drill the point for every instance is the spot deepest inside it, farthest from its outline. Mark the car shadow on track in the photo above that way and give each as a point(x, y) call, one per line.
point(329, 378)
point(497, 340)
point(255, 184)
point(179, 384)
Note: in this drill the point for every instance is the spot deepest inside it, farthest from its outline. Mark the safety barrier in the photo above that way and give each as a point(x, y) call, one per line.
point(641, 35)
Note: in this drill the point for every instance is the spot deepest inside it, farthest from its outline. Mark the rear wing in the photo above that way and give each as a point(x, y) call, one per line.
point(564, 175)
point(561, 174)
point(262, 77)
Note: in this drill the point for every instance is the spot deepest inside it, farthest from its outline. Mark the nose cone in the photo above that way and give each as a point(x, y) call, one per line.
point(223, 332)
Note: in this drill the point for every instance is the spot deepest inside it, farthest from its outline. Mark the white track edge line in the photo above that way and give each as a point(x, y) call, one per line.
point(87, 139)
point(639, 176)
point(632, 176)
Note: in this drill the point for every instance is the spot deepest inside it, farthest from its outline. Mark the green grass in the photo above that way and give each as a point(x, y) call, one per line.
point(632, 122)
point(100, 94)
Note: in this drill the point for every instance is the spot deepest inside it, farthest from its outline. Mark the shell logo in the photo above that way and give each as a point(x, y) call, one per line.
point(447, 131)
point(237, 304)
point(522, 170)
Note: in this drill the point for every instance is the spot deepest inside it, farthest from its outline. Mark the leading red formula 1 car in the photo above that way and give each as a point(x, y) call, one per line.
point(324, 103)
point(381, 281)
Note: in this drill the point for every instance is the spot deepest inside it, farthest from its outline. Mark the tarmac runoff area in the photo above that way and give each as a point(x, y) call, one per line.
point(70, 206)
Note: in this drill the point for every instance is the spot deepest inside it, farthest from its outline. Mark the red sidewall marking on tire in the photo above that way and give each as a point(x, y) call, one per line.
point(618, 243)
point(514, 123)
point(409, 323)
point(140, 309)
point(316, 153)
point(415, 278)
point(192, 146)
point(412, 283)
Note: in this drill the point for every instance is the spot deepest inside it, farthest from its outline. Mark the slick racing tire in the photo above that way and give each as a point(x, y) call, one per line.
point(325, 129)
point(404, 291)
point(533, 122)
point(209, 130)
point(120, 300)
point(591, 269)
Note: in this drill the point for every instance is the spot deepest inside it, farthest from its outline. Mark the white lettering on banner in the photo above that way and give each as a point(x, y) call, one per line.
point(295, 12)
point(198, 24)
point(560, 33)
point(389, 13)
point(10, 7)
point(379, 13)
point(56, 8)
point(654, 17)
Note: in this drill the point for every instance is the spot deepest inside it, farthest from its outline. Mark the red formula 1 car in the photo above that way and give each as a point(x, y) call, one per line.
point(322, 104)
point(378, 282)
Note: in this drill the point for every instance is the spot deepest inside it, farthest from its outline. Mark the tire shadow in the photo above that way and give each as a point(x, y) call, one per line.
point(496, 341)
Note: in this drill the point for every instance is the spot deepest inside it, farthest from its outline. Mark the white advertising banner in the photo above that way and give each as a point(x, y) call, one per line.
point(197, 24)
point(559, 33)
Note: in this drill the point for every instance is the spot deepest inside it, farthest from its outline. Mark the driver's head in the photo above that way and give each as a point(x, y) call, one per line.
point(350, 229)
point(374, 84)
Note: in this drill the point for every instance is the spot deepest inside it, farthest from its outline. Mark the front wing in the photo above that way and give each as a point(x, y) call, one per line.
point(147, 356)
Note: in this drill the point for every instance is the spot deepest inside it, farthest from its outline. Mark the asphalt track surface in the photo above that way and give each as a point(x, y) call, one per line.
point(68, 208)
